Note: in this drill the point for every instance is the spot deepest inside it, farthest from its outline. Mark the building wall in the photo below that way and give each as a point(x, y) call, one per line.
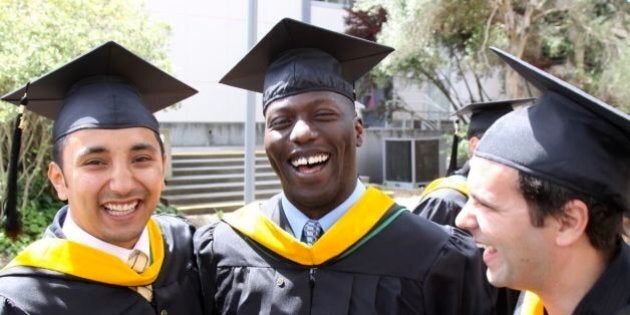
point(370, 154)
point(209, 37)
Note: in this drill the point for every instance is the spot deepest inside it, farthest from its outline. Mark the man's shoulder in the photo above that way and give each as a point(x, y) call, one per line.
point(453, 184)
point(172, 221)
point(414, 227)
point(174, 228)
point(20, 284)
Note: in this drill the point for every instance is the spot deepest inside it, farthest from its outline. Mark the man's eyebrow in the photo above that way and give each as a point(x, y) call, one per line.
point(91, 150)
point(100, 149)
point(143, 146)
point(482, 201)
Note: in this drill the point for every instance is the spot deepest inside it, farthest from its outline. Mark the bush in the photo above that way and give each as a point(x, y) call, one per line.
point(36, 216)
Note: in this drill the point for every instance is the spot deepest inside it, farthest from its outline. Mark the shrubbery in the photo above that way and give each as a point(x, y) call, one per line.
point(36, 216)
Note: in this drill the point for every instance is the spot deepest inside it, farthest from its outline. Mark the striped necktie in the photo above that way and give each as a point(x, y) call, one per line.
point(139, 262)
point(311, 232)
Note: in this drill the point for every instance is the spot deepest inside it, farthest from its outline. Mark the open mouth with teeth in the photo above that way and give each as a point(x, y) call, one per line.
point(120, 209)
point(310, 164)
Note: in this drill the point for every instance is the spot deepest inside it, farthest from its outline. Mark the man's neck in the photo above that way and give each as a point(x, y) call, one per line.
point(572, 276)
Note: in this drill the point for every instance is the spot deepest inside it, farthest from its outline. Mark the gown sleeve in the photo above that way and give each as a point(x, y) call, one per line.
point(203, 246)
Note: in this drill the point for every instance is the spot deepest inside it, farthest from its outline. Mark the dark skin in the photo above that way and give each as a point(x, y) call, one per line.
point(311, 141)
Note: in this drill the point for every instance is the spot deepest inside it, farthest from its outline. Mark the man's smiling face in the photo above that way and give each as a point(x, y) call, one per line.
point(311, 140)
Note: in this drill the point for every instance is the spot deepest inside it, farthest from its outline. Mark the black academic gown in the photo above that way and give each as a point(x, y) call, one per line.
point(25, 290)
point(412, 266)
point(443, 205)
point(611, 292)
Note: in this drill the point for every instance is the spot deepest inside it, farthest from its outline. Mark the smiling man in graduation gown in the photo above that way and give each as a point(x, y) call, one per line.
point(549, 185)
point(327, 244)
point(104, 252)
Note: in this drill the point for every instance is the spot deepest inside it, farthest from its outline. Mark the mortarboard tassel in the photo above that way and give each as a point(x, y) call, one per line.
point(452, 165)
point(12, 223)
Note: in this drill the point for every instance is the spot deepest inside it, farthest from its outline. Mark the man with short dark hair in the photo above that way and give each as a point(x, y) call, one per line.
point(104, 253)
point(327, 244)
point(548, 187)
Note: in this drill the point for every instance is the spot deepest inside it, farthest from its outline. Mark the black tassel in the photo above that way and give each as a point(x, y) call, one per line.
point(13, 224)
point(452, 166)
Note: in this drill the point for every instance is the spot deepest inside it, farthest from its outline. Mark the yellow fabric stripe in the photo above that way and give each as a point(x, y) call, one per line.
point(455, 182)
point(88, 263)
point(349, 229)
point(532, 304)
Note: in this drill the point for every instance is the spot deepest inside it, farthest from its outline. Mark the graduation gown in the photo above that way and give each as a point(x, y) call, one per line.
point(443, 199)
point(610, 295)
point(28, 290)
point(441, 206)
point(400, 264)
point(611, 292)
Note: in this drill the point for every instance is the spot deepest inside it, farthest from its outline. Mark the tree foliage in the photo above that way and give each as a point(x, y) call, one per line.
point(37, 36)
point(365, 24)
point(579, 41)
point(375, 86)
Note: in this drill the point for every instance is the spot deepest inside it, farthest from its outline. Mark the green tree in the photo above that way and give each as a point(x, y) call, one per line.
point(37, 36)
point(578, 41)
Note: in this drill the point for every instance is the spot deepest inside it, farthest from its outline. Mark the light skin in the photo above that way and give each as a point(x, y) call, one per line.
point(311, 140)
point(112, 180)
point(555, 261)
point(472, 145)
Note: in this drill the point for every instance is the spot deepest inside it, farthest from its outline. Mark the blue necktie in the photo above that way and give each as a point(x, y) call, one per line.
point(311, 232)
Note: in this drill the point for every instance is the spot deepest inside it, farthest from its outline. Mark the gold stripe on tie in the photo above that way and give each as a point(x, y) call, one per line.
point(139, 262)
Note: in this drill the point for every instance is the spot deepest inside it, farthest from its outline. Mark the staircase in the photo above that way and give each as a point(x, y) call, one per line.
point(207, 182)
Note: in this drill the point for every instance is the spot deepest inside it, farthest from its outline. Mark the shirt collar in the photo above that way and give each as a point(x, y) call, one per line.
point(75, 233)
point(297, 219)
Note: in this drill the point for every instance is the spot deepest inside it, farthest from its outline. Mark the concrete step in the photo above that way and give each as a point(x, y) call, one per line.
point(216, 162)
point(183, 155)
point(186, 200)
point(204, 182)
point(208, 211)
point(173, 190)
point(211, 170)
point(217, 178)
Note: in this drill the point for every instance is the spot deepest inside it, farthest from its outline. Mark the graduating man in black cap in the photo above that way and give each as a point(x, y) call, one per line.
point(444, 197)
point(327, 244)
point(104, 253)
point(549, 185)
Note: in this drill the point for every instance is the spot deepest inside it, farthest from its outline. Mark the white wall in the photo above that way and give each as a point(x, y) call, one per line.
point(209, 37)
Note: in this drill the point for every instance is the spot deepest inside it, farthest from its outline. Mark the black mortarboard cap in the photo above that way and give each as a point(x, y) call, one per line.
point(484, 114)
point(103, 88)
point(567, 137)
point(296, 57)
point(108, 87)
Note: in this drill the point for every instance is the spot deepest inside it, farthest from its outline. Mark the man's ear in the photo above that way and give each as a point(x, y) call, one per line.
point(472, 145)
point(358, 128)
point(571, 224)
point(55, 175)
